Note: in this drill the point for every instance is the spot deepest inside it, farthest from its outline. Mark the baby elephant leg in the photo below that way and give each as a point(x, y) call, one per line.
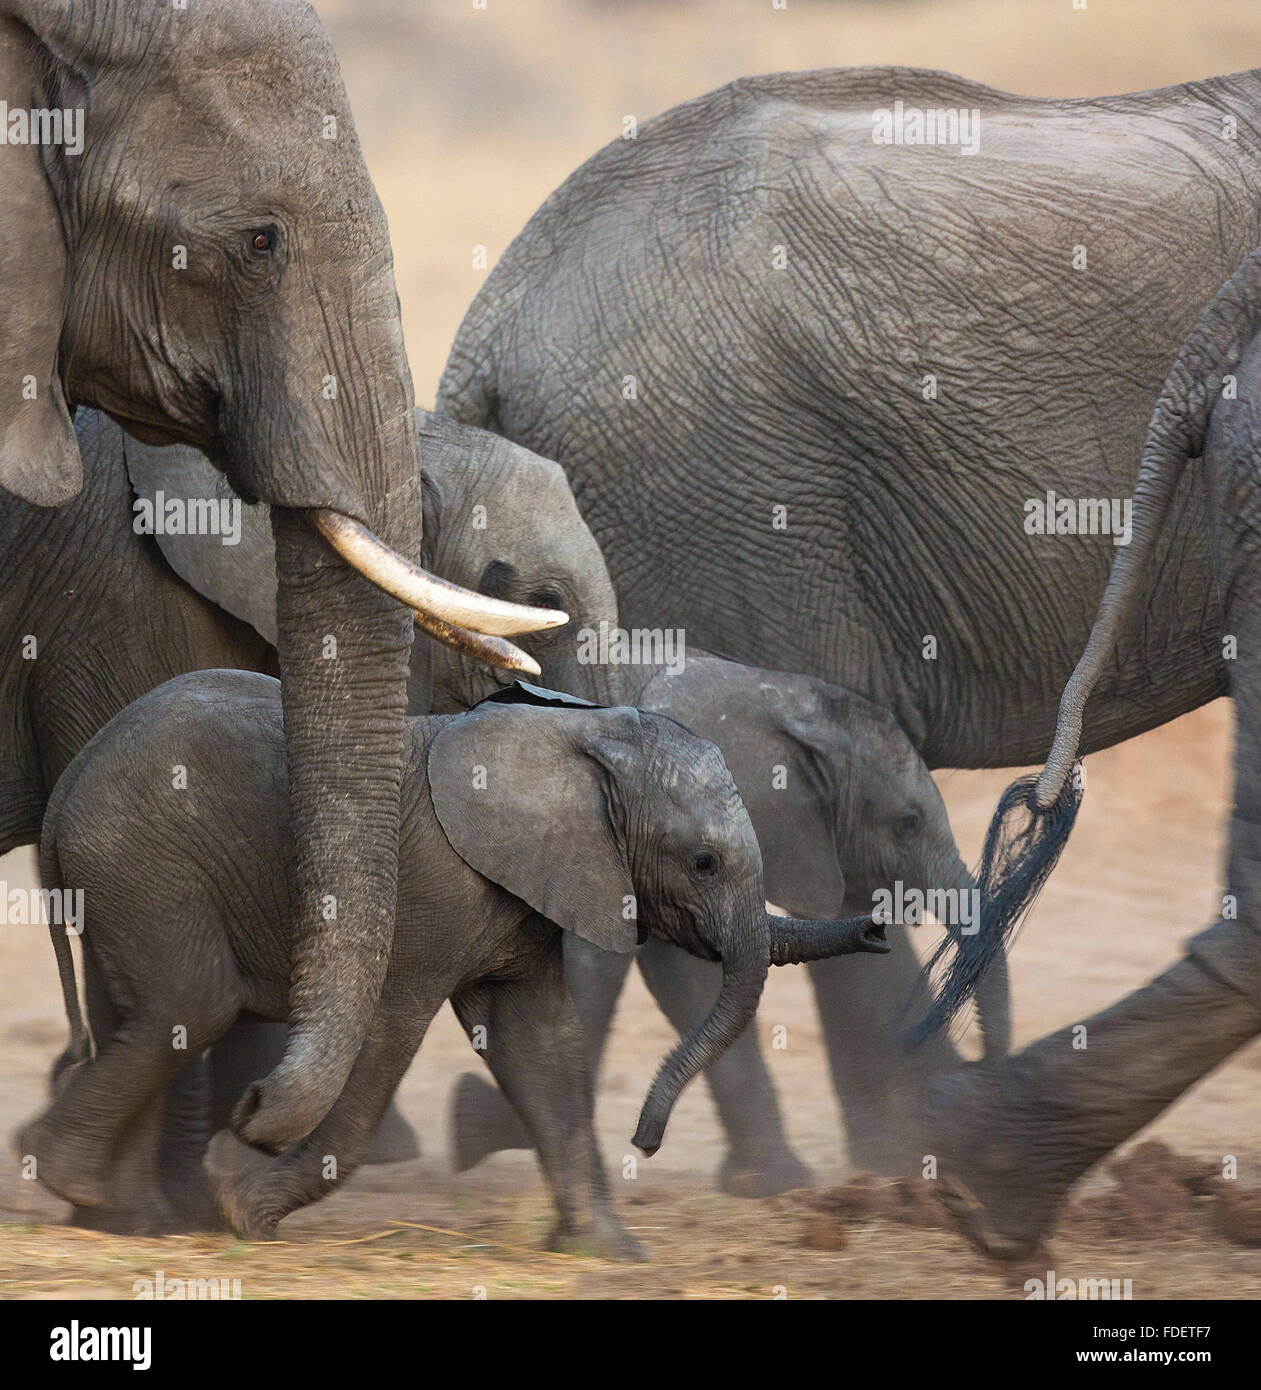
point(482, 1120)
point(531, 1038)
point(255, 1199)
point(97, 1144)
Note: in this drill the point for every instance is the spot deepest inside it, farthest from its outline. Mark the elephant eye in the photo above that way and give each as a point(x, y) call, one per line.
point(264, 239)
point(545, 598)
point(705, 864)
point(908, 824)
point(497, 579)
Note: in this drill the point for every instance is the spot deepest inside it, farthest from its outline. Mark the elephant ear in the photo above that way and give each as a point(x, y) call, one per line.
point(533, 798)
point(39, 457)
point(239, 577)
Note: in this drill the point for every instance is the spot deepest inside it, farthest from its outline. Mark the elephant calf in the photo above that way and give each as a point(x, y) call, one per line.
point(519, 819)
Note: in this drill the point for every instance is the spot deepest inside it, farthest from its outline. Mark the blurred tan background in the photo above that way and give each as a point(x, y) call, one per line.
point(469, 118)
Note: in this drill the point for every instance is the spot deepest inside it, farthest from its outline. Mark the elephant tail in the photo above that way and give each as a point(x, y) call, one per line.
point(1036, 814)
point(1175, 435)
point(79, 1048)
point(1022, 847)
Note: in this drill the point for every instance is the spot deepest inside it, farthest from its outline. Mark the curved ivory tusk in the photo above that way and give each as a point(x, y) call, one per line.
point(436, 598)
point(490, 651)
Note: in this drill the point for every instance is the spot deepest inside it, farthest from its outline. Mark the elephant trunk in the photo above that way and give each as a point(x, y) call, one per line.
point(797, 940)
point(776, 941)
point(744, 970)
point(343, 648)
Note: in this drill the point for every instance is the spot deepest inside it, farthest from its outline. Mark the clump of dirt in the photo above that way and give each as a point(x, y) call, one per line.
point(1236, 1213)
point(868, 1198)
point(1158, 1194)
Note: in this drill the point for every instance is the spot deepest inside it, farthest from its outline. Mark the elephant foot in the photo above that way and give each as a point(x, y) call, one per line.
point(187, 1191)
point(61, 1167)
point(395, 1140)
point(244, 1206)
point(194, 1210)
point(604, 1238)
point(742, 1175)
point(1003, 1194)
point(151, 1219)
point(482, 1123)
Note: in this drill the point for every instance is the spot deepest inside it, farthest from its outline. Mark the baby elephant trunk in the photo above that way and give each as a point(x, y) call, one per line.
point(796, 940)
point(779, 941)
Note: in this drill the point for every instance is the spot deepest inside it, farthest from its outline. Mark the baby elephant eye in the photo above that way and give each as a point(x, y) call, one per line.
point(705, 864)
point(263, 239)
point(909, 824)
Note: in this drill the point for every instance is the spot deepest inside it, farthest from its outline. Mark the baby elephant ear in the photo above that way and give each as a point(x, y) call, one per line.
point(530, 798)
point(232, 561)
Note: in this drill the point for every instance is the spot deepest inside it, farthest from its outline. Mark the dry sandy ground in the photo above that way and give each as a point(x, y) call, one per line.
point(468, 120)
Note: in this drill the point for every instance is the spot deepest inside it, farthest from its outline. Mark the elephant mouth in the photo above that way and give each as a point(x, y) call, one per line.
point(874, 940)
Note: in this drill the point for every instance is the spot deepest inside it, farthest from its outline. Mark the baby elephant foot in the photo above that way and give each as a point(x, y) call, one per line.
point(746, 1175)
point(62, 1166)
point(482, 1123)
point(247, 1206)
point(604, 1237)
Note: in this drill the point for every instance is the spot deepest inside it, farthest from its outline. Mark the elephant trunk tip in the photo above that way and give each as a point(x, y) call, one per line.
point(274, 1113)
point(648, 1136)
point(795, 940)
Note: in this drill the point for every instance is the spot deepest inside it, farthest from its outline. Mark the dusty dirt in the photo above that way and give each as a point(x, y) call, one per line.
point(468, 120)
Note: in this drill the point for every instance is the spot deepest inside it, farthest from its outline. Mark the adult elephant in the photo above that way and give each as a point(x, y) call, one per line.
point(1013, 1136)
point(810, 388)
point(96, 614)
point(192, 244)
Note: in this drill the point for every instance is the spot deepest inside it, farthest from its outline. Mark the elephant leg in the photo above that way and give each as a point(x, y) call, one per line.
point(760, 1161)
point(1012, 1136)
point(185, 1133)
point(482, 1121)
point(879, 1084)
point(97, 1143)
point(255, 1199)
point(535, 1050)
point(137, 1203)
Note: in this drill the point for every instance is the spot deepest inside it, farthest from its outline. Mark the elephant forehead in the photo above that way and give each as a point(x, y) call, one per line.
point(702, 795)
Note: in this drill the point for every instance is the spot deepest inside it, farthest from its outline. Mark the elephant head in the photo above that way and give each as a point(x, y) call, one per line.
point(502, 520)
point(614, 824)
point(195, 247)
point(846, 812)
point(497, 519)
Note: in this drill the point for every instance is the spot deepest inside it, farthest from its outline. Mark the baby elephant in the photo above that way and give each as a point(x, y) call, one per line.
point(519, 819)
